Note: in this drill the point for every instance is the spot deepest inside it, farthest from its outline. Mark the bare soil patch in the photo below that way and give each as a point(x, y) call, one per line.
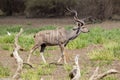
point(59, 22)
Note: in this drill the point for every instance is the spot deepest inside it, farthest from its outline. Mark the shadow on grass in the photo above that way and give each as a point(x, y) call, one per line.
point(55, 63)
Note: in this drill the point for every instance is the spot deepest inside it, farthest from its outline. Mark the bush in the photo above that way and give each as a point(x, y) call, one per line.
point(47, 8)
point(12, 6)
point(99, 9)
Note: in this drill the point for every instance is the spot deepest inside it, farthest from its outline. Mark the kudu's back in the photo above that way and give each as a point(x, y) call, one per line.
point(51, 37)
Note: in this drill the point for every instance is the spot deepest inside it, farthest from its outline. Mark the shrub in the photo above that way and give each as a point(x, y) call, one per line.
point(47, 8)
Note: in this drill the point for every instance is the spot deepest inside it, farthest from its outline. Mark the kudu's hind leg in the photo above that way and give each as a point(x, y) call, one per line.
point(62, 55)
point(42, 52)
point(31, 51)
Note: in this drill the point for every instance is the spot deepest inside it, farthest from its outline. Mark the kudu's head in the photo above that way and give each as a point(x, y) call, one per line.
point(80, 23)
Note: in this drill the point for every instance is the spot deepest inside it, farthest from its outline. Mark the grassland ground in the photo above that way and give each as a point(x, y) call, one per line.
point(87, 49)
point(61, 72)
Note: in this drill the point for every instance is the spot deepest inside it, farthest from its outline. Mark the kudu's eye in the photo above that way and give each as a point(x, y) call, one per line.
point(79, 24)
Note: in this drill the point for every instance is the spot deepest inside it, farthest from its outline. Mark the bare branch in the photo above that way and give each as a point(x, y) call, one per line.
point(94, 74)
point(97, 76)
point(75, 73)
point(41, 79)
point(109, 72)
point(18, 59)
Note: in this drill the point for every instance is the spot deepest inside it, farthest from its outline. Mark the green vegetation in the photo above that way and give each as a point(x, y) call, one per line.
point(110, 40)
point(4, 72)
point(25, 40)
point(110, 78)
point(68, 68)
point(110, 50)
point(35, 74)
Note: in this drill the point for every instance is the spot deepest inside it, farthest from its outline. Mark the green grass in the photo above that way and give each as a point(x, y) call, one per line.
point(110, 51)
point(4, 72)
point(68, 67)
point(35, 74)
point(8, 47)
point(7, 39)
point(110, 78)
point(11, 29)
point(27, 30)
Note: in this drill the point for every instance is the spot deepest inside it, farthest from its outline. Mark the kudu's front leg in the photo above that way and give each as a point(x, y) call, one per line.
point(42, 52)
point(31, 51)
point(62, 55)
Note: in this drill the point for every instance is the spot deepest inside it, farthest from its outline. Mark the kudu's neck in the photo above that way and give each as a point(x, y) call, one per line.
point(73, 33)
